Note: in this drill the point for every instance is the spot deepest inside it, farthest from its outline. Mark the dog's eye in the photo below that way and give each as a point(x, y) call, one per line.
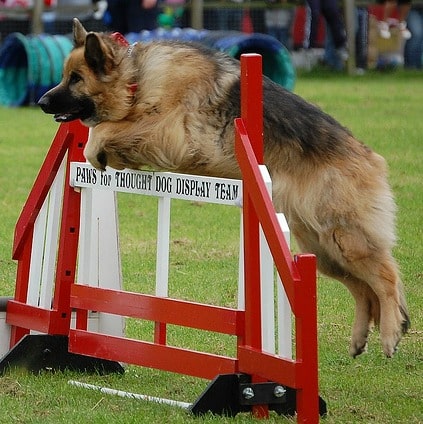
point(74, 78)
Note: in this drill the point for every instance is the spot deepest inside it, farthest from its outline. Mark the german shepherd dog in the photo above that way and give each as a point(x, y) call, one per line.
point(171, 106)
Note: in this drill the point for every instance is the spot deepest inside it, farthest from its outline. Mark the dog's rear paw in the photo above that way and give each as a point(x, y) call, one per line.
point(357, 348)
point(390, 343)
point(390, 352)
point(406, 323)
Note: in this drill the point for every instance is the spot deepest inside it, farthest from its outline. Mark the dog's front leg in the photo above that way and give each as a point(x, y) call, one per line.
point(94, 151)
point(113, 144)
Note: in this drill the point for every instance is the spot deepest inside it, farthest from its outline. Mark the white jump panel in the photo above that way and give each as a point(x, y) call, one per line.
point(167, 186)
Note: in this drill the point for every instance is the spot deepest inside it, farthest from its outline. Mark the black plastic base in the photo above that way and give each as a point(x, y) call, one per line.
point(44, 352)
point(227, 394)
point(230, 394)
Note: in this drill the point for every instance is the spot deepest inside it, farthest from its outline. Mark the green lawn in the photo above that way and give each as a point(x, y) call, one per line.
point(383, 110)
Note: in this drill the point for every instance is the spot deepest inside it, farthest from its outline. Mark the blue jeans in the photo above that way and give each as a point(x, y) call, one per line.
point(129, 16)
point(413, 50)
point(333, 18)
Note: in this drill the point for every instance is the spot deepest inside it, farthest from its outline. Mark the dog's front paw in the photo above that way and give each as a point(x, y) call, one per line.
point(95, 155)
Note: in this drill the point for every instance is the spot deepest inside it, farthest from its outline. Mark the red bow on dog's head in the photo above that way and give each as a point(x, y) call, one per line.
point(120, 39)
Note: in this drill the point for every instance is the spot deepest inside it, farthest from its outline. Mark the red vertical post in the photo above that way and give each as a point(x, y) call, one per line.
point(252, 116)
point(252, 101)
point(21, 288)
point(69, 235)
point(306, 340)
point(160, 333)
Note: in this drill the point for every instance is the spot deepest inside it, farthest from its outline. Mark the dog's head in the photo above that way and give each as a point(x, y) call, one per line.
point(96, 83)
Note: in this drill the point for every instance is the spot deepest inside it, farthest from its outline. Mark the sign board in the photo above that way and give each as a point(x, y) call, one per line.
point(162, 184)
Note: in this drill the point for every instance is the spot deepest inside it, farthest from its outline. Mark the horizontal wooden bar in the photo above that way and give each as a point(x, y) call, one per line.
point(159, 309)
point(147, 354)
point(27, 316)
point(269, 366)
point(30, 317)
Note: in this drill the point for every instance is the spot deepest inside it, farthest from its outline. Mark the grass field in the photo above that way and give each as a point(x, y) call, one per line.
point(383, 110)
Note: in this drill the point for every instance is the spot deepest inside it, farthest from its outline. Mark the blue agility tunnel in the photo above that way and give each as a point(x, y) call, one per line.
point(277, 63)
point(30, 65)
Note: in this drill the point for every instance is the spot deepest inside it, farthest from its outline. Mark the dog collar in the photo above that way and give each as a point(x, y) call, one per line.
point(120, 39)
point(133, 88)
point(130, 49)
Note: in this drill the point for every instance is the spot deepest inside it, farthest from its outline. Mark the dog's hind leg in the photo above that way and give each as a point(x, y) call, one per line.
point(367, 313)
point(371, 276)
point(377, 268)
point(394, 319)
point(367, 307)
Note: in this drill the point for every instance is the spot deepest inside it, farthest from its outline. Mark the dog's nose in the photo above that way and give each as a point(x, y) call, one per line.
point(44, 103)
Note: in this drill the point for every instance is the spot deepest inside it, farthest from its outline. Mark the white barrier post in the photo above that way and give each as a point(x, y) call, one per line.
point(44, 246)
point(284, 308)
point(99, 253)
point(267, 283)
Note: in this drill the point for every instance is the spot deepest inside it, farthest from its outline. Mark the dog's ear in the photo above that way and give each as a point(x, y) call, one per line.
point(97, 55)
point(79, 33)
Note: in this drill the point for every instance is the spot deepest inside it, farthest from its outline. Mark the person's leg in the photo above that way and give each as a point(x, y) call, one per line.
point(314, 6)
point(404, 7)
point(335, 22)
point(117, 12)
point(140, 18)
point(149, 18)
point(413, 49)
point(404, 10)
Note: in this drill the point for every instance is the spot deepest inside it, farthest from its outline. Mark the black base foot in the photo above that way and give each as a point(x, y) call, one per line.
point(229, 394)
point(44, 352)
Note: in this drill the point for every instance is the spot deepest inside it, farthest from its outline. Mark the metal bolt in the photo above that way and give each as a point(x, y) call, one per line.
point(248, 393)
point(279, 391)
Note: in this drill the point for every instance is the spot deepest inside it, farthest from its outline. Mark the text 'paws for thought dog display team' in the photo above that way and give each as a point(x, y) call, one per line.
point(171, 106)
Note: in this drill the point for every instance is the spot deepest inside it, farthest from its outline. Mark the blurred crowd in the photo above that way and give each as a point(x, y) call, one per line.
point(388, 32)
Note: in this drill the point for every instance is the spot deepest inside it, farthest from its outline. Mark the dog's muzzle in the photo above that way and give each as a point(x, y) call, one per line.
point(46, 106)
point(44, 103)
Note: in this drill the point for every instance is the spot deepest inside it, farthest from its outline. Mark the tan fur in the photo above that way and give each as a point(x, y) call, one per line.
point(339, 206)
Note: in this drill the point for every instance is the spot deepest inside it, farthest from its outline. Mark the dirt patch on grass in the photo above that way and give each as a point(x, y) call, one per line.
point(10, 387)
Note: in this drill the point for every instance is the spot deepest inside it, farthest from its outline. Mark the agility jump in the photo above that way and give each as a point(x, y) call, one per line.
point(263, 380)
